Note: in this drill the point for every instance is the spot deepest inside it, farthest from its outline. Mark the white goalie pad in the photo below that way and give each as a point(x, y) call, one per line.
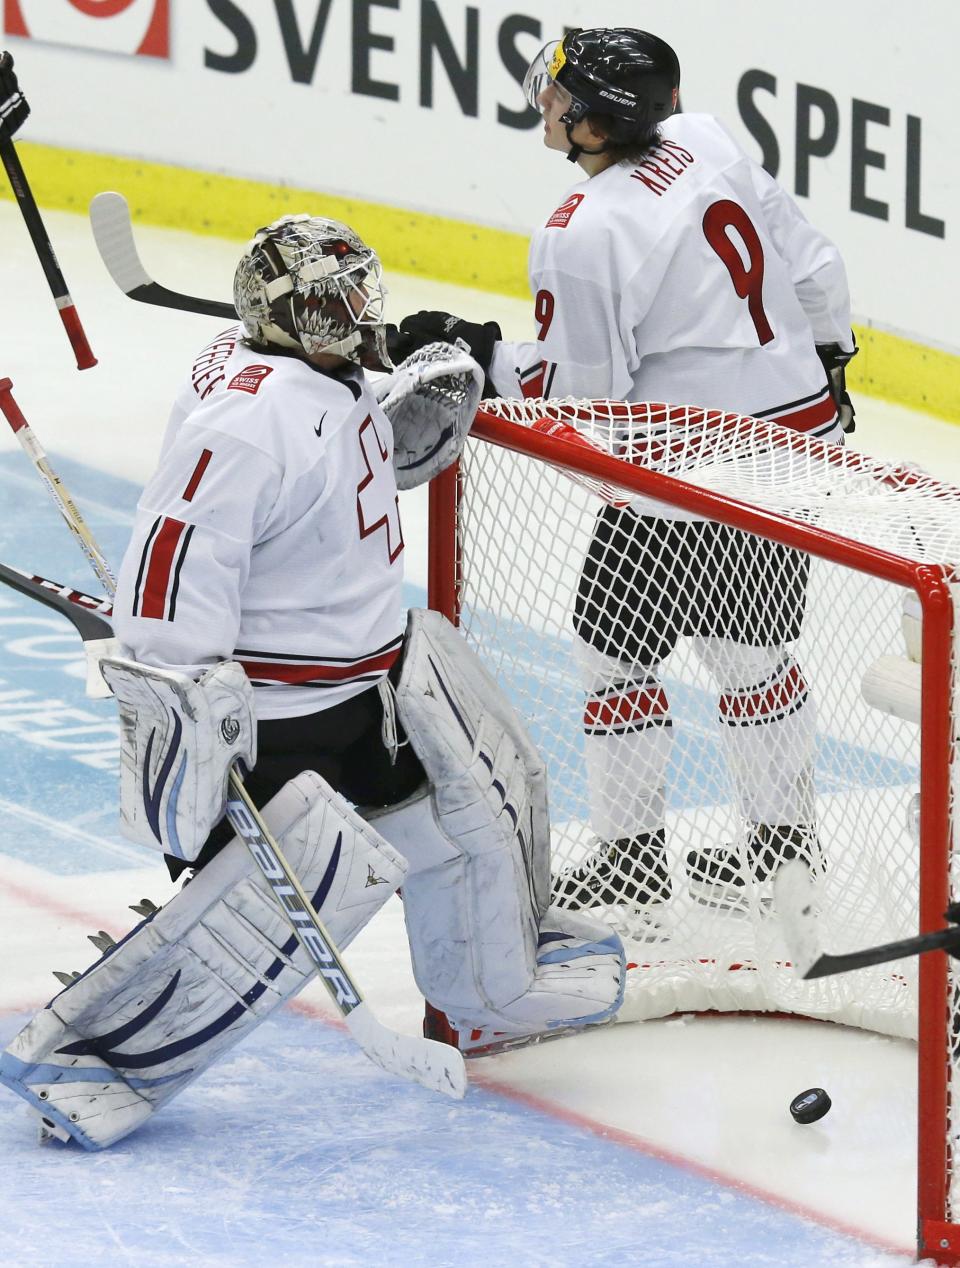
point(199, 974)
point(477, 842)
point(431, 401)
point(178, 740)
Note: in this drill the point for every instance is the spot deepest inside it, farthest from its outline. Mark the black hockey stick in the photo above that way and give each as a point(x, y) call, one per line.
point(796, 904)
point(41, 242)
point(113, 234)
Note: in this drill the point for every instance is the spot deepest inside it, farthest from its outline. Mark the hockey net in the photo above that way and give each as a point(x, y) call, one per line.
point(510, 533)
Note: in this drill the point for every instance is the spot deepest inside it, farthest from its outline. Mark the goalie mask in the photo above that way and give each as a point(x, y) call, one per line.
point(312, 284)
point(631, 76)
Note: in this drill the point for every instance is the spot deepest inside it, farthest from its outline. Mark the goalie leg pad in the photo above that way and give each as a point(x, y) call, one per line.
point(478, 845)
point(178, 740)
point(199, 974)
point(461, 917)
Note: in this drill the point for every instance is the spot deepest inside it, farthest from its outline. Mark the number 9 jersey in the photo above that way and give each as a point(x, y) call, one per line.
point(270, 532)
point(691, 278)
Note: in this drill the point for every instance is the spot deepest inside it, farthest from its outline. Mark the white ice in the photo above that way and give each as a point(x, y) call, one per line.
point(662, 1143)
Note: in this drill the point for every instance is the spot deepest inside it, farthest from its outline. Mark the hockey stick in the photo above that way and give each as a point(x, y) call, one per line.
point(35, 452)
point(113, 234)
point(795, 899)
point(88, 614)
point(41, 242)
point(434, 1065)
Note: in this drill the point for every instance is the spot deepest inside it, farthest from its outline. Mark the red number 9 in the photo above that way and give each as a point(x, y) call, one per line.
point(747, 281)
point(543, 307)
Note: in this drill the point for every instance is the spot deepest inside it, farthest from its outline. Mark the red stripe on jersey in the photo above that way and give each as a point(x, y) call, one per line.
point(157, 581)
point(639, 708)
point(270, 671)
point(197, 476)
point(537, 380)
point(806, 419)
point(751, 707)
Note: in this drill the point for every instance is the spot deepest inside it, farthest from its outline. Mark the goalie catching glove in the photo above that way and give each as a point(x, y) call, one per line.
point(178, 740)
point(431, 401)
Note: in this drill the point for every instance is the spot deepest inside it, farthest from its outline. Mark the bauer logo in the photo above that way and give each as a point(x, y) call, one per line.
point(249, 380)
point(561, 217)
point(136, 27)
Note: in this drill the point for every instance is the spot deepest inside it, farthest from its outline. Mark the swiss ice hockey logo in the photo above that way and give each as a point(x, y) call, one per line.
point(561, 217)
point(250, 379)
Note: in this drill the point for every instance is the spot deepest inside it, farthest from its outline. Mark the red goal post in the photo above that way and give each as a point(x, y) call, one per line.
point(509, 530)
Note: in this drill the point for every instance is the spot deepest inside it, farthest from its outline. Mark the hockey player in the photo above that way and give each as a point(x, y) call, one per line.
point(678, 270)
point(259, 615)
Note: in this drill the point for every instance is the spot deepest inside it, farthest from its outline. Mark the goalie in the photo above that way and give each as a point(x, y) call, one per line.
point(259, 615)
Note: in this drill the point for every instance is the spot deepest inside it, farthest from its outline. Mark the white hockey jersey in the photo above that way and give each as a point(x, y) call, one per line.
point(270, 533)
point(691, 278)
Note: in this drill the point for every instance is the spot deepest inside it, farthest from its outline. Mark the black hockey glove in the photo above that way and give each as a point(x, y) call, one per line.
point(835, 361)
point(422, 328)
point(13, 104)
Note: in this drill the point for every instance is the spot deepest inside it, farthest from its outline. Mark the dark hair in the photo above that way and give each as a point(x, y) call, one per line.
point(628, 151)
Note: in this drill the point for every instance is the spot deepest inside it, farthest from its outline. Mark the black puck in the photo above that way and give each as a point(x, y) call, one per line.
point(810, 1105)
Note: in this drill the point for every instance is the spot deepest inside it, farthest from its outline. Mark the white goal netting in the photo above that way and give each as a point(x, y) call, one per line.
point(696, 691)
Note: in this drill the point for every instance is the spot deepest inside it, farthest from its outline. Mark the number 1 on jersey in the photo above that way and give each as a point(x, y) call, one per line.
point(747, 278)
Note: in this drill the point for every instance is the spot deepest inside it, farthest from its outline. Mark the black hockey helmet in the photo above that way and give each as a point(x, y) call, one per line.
point(629, 75)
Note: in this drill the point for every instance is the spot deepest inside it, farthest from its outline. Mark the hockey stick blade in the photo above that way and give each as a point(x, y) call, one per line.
point(113, 234)
point(88, 614)
point(795, 901)
point(433, 1065)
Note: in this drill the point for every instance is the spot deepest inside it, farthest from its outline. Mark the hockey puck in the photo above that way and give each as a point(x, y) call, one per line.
point(810, 1105)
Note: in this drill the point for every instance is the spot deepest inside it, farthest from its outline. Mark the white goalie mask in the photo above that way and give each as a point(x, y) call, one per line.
point(312, 284)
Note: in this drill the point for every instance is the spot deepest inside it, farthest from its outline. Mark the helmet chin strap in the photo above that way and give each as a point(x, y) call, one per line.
point(576, 150)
